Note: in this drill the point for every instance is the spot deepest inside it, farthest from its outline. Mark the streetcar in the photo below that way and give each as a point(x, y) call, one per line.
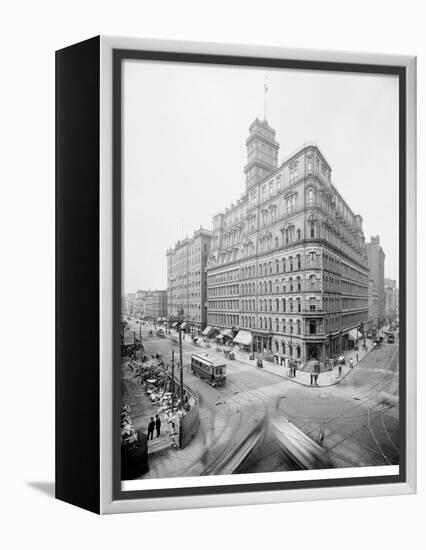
point(209, 369)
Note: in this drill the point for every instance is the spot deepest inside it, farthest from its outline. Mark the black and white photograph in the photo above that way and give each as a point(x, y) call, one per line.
point(260, 274)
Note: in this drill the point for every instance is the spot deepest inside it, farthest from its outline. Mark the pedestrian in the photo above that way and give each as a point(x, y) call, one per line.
point(340, 370)
point(357, 360)
point(312, 378)
point(294, 370)
point(316, 379)
point(151, 427)
point(351, 363)
point(158, 425)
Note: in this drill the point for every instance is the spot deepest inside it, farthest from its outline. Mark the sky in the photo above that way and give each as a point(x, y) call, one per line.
point(184, 132)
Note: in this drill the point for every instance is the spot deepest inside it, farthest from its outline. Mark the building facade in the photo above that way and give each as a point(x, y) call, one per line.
point(156, 305)
point(391, 299)
point(288, 261)
point(376, 264)
point(373, 305)
point(186, 280)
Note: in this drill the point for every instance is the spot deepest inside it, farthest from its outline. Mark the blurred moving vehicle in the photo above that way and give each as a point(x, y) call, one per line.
point(391, 339)
point(297, 446)
point(160, 332)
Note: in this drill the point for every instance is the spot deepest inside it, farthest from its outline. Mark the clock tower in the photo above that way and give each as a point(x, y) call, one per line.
point(262, 152)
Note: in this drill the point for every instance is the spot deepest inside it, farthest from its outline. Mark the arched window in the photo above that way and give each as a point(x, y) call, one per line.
point(312, 230)
point(260, 270)
point(298, 326)
point(299, 234)
point(283, 348)
point(298, 352)
point(270, 324)
point(283, 303)
point(299, 285)
point(270, 286)
point(299, 262)
point(260, 322)
point(291, 284)
point(276, 346)
point(312, 282)
point(310, 197)
point(277, 325)
point(276, 242)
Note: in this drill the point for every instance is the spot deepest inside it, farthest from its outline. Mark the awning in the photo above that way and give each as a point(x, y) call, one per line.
point(243, 337)
point(353, 335)
point(207, 331)
point(174, 324)
point(160, 319)
point(227, 333)
point(183, 325)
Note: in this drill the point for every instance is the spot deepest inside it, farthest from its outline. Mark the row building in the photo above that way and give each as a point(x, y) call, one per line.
point(287, 270)
point(186, 281)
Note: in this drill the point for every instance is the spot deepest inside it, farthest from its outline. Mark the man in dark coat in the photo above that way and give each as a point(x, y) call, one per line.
point(151, 427)
point(158, 424)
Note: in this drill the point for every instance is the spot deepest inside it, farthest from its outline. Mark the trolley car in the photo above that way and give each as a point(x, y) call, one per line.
point(209, 369)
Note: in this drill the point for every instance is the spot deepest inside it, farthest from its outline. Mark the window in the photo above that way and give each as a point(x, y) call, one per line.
point(299, 262)
point(310, 197)
point(310, 164)
point(312, 230)
point(271, 188)
point(293, 172)
point(278, 183)
point(312, 304)
point(299, 234)
point(312, 327)
point(264, 192)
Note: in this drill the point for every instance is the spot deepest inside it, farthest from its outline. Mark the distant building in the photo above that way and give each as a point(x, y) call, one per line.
point(391, 299)
point(131, 300)
point(376, 264)
point(140, 302)
point(373, 305)
point(156, 305)
point(186, 280)
point(288, 263)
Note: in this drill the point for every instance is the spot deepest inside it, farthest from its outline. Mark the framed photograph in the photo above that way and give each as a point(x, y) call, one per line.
point(235, 275)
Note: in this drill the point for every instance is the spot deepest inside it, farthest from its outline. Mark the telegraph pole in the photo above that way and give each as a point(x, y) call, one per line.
point(181, 367)
point(173, 378)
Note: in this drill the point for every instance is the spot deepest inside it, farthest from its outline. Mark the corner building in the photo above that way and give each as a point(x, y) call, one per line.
point(288, 260)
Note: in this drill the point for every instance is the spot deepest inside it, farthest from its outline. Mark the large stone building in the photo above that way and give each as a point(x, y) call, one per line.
point(288, 263)
point(391, 299)
point(376, 264)
point(186, 280)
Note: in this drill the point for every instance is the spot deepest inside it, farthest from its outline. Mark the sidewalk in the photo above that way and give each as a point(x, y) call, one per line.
point(328, 378)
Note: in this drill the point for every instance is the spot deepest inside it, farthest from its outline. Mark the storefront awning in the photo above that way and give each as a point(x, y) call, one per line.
point(243, 337)
point(183, 325)
point(174, 324)
point(353, 335)
point(207, 331)
point(227, 333)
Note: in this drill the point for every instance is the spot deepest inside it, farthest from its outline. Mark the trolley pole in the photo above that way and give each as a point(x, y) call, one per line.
point(181, 367)
point(172, 389)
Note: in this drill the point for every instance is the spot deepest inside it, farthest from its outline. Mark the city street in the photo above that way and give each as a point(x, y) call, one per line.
point(355, 421)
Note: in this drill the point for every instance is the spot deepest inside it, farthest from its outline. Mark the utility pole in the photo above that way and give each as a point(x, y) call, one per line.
point(172, 389)
point(181, 367)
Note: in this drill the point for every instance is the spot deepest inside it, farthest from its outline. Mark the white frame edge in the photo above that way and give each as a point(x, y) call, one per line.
point(107, 504)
